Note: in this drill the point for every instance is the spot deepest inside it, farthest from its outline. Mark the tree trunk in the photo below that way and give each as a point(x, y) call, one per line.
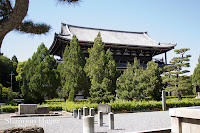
point(179, 96)
point(14, 19)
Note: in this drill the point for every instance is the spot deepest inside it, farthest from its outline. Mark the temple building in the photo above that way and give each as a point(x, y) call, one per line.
point(125, 45)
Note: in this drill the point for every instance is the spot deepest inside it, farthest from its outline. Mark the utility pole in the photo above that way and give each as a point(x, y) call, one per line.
point(11, 77)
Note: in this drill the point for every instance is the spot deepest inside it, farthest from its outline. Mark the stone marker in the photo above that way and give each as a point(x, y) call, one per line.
point(111, 120)
point(27, 108)
point(85, 111)
point(105, 108)
point(88, 124)
point(42, 110)
point(163, 100)
point(92, 112)
point(75, 113)
point(79, 113)
point(100, 118)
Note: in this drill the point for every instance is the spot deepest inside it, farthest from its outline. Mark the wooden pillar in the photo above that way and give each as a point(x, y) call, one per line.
point(165, 57)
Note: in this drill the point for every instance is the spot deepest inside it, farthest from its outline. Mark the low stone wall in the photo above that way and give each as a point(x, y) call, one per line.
point(42, 110)
point(185, 120)
point(27, 108)
point(156, 131)
point(23, 130)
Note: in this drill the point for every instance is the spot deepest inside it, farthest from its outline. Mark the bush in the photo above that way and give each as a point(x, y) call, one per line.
point(54, 100)
point(69, 106)
point(9, 108)
point(117, 105)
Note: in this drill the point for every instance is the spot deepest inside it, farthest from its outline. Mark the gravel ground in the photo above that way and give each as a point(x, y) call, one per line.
point(124, 122)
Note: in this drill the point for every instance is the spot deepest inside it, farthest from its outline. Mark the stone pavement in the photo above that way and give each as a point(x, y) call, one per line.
point(124, 122)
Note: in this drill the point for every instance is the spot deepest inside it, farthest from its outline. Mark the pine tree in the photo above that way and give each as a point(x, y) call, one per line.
point(176, 70)
point(153, 80)
point(73, 77)
point(100, 67)
point(40, 77)
point(131, 83)
point(12, 16)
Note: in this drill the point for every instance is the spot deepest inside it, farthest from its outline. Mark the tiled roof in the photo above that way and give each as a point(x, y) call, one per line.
point(85, 34)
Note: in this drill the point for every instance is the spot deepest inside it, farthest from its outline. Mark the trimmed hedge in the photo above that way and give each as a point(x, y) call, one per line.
point(69, 106)
point(117, 105)
point(9, 108)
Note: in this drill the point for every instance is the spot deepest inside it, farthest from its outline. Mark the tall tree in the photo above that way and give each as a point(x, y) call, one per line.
point(14, 71)
point(196, 75)
point(12, 16)
point(130, 84)
point(73, 77)
point(100, 67)
point(6, 66)
point(1, 86)
point(153, 80)
point(175, 72)
point(19, 70)
point(39, 76)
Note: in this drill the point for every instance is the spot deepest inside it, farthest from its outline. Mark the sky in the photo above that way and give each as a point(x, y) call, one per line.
point(166, 21)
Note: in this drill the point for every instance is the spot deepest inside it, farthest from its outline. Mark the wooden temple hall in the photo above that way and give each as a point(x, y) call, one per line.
point(124, 45)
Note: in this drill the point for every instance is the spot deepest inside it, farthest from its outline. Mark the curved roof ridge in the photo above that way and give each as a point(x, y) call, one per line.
point(105, 29)
point(150, 38)
point(65, 30)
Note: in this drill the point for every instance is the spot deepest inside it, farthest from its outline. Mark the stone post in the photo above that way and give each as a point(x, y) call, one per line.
point(88, 124)
point(91, 111)
point(75, 113)
point(111, 120)
point(100, 120)
point(85, 111)
point(163, 100)
point(79, 113)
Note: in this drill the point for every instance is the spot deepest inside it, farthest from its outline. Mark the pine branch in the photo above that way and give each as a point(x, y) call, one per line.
point(30, 27)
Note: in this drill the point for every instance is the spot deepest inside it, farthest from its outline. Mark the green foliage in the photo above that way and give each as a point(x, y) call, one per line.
point(40, 77)
point(117, 105)
point(196, 75)
point(71, 95)
point(5, 70)
point(174, 74)
point(19, 70)
point(69, 106)
point(153, 80)
point(6, 67)
point(130, 84)
point(1, 87)
point(100, 67)
point(9, 108)
point(73, 78)
point(8, 93)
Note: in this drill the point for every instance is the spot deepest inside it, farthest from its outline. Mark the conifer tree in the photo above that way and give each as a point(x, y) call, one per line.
point(174, 75)
point(153, 80)
point(131, 83)
point(196, 75)
point(100, 67)
point(40, 77)
point(73, 77)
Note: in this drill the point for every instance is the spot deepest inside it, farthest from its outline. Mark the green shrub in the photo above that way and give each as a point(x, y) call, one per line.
point(9, 108)
point(69, 106)
point(54, 100)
